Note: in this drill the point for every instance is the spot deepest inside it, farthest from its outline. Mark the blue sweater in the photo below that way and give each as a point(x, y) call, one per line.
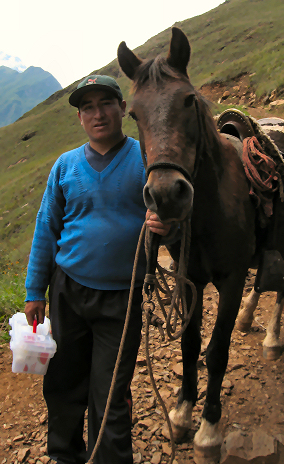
point(89, 223)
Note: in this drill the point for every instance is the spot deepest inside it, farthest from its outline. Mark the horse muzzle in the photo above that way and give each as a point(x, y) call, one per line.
point(168, 194)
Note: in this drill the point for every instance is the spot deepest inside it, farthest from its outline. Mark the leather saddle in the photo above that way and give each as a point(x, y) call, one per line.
point(234, 122)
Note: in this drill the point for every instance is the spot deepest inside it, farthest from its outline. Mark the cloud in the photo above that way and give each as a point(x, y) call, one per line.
point(12, 62)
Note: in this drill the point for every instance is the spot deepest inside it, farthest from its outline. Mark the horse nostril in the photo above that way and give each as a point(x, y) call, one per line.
point(181, 190)
point(149, 200)
point(170, 200)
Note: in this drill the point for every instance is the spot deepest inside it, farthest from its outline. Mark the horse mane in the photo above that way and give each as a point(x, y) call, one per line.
point(156, 71)
point(207, 118)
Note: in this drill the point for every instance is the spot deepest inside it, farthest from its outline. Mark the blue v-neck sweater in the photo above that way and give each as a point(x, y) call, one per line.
point(89, 223)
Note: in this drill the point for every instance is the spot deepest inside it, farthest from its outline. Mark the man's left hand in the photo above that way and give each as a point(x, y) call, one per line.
point(155, 225)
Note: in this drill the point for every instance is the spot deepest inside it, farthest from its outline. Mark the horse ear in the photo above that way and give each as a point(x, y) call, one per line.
point(128, 61)
point(179, 52)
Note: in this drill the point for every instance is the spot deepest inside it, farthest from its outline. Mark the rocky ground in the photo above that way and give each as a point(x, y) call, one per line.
point(252, 393)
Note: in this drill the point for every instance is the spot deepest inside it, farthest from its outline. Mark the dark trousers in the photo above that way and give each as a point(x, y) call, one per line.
point(87, 326)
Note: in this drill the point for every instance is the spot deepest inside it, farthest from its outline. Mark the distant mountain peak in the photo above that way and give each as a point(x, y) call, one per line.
point(12, 62)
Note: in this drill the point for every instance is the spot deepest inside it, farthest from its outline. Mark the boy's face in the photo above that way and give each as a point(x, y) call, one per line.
point(101, 116)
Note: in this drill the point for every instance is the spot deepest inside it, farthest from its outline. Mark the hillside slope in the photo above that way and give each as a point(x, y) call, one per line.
point(20, 92)
point(240, 38)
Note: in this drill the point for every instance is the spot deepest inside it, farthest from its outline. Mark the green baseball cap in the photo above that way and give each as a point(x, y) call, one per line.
point(95, 82)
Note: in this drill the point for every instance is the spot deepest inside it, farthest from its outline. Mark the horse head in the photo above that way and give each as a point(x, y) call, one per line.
point(165, 108)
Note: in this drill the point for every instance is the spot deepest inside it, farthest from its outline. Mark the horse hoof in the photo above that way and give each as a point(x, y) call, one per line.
point(207, 454)
point(243, 326)
point(271, 353)
point(178, 432)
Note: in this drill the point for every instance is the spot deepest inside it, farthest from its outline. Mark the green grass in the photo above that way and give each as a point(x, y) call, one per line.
point(12, 294)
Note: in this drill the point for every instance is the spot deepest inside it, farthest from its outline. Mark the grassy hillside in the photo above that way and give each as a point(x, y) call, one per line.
point(239, 37)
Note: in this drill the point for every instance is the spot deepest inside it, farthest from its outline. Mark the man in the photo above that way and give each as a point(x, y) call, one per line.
point(84, 243)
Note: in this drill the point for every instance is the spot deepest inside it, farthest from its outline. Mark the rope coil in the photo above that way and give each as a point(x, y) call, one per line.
point(261, 171)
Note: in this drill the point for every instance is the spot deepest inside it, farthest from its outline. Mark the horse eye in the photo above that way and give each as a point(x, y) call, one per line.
point(133, 115)
point(189, 100)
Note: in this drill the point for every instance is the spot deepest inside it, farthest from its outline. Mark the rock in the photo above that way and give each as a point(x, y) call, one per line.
point(273, 95)
point(143, 371)
point(204, 345)
point(178, 369)
point(43, 419)
point(256, 447)
point(227, 384)
point(141, 444)
point(266, 100)
point(246, 347)
point(141, 361)
point(235, 366)
point(202, 392)
point(225, 95)
point(176, 390)
point(18, 438)
point(165, 393)
point(154, 429)
point(43, 450)
point(166, 449)
point(22, 454)
point(276, 103)
point(156, 459)
point(151, 404)
point(44, 459)
point(34, 450)
point(137, 458)
point(145, 424)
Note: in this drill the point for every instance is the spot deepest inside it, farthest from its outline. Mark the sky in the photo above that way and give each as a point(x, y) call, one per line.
point(71, 38)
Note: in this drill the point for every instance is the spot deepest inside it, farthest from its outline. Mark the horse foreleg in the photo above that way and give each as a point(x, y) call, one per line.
point(208, 439)
point(271, 344)
point(181, 415)
point(245, 316)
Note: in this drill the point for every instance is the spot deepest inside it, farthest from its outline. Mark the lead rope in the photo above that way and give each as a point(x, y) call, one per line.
point(121, 346)
point(149, 306)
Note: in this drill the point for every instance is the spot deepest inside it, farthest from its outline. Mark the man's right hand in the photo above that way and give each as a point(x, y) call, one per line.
point(35, 309)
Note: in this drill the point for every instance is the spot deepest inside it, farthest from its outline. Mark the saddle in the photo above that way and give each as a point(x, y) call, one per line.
point(237, 127)
point(234, 122)
point(268, 131)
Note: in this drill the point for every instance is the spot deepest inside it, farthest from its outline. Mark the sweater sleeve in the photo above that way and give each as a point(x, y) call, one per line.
point(49, 224)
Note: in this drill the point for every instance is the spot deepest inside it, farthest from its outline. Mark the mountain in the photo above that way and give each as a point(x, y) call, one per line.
point(12, 62)
point(21, 91)
point(238, 40)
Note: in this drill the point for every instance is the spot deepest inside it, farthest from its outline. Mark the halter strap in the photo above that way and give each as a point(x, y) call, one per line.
point(168, 165)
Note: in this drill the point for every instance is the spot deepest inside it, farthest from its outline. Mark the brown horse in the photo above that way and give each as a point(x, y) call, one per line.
point(193, 171)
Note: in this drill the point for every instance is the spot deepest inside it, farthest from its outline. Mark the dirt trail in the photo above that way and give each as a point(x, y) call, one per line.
point(252, 393)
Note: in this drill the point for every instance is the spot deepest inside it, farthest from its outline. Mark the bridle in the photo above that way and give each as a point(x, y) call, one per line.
point(175, 166)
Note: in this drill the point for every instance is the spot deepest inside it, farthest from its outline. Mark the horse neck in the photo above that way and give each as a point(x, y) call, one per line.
point(210, 170)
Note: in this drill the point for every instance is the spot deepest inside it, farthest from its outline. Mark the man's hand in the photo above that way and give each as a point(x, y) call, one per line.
point(35, 309)
point(155, 225)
